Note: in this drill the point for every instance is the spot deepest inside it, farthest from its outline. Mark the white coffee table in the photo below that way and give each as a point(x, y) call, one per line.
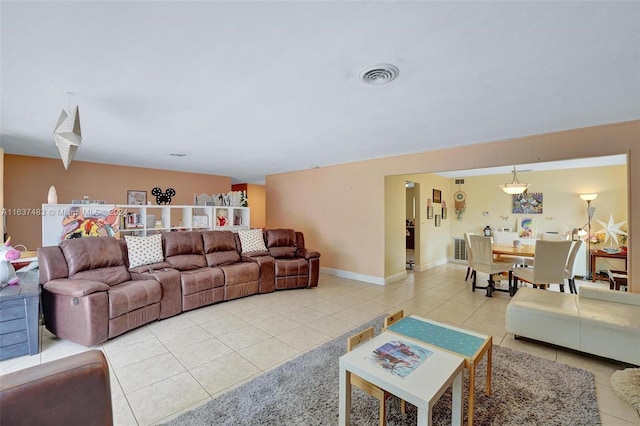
point(422, 387)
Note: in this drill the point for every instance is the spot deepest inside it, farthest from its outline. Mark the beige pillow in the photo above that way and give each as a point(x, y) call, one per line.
point(252, 240)
point(144, 250)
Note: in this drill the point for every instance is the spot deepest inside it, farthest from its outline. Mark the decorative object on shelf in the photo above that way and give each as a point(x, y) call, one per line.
point(444, 209)
point(486, 231)
point(437, 196)
point(52, 195)
point(437, 220)
point(611, 230)
point(67, 134)
point(527, 203)
point(429, 209)
point(590, 211)
point(7, 272)
point(136, 198)
point(81, 222)
point(515, 187)
point(231, 199)
point(460, 203)
point(221, 218)
point(163, 198)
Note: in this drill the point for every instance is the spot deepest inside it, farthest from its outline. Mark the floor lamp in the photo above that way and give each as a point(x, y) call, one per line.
point(590, 210)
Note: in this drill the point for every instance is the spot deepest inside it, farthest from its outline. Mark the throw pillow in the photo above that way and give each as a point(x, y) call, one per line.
point(252, 240)
point(144, 250)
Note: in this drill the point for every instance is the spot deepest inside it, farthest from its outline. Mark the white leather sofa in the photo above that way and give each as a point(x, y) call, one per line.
point(598, 321)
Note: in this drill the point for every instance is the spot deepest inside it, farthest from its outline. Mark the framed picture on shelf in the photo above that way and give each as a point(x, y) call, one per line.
point(437, 196)
point(136, 198)
point(438, 220)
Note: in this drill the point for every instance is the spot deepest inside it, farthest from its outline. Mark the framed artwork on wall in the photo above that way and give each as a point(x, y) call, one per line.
point(527, 203)
point(444, 212)
point(437, 196)
point(438, 220)
point(429, 212)
point(136, 198)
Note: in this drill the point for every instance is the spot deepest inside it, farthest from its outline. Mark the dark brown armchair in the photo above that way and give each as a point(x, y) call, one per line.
point(295, 265)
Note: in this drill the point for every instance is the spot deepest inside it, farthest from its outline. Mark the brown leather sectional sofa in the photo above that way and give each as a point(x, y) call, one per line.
point(90, 294)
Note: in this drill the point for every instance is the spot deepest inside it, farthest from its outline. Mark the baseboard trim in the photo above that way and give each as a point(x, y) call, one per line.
point(360, 277)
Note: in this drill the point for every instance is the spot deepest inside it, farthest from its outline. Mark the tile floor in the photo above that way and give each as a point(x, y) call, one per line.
point(174, 365)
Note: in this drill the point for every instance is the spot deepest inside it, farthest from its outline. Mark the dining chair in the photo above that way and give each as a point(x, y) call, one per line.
point(550, 263)
point(393, 318)
point(569, 270)
point(357, 381)
point(389, 320)
point(467, 243)
point(484, 262)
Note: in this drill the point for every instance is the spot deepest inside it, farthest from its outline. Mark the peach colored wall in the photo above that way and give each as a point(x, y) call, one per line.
point(341, 209)
point(28, 180)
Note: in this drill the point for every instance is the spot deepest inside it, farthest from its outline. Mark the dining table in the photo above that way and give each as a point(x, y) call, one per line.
point(523, 250)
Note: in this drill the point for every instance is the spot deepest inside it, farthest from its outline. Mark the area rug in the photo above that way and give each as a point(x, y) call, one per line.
point(527, 390)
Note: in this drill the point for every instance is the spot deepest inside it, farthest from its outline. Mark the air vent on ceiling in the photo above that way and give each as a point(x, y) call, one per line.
point(459, 181)
point(379, 74)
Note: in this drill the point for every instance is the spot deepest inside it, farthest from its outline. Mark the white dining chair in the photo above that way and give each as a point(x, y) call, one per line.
point(467, 242)
point(550, 263)
point(484, 262)
point(569, 270)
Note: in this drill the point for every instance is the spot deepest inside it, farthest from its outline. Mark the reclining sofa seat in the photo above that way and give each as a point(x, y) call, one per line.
point(295, 266)
point(201, 285)
point(169, 279)
point(240, 278)
point(88, 294)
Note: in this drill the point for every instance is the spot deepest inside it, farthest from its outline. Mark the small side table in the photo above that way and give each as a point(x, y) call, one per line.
point(19, 317)
point(595, 254)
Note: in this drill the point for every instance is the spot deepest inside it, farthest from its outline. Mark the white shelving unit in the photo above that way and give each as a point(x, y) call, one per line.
point(61, 220)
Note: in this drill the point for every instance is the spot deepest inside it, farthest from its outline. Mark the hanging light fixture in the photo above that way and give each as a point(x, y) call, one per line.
point(514, 187)
point(67, 134)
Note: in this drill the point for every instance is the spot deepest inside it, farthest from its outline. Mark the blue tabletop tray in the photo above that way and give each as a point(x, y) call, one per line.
point(443, 337)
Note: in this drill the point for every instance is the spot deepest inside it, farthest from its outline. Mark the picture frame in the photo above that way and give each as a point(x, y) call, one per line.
point(429, 212)
point(444, 212)
point(437, 196)
point(438, 222)
point(136, 197)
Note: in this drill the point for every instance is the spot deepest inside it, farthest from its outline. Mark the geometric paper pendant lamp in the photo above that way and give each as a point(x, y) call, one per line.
point(67, 135)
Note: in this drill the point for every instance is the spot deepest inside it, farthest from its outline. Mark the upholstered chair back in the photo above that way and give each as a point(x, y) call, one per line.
point(220, 248)
point(184, 250)
point(95, 258)
point(281, 243)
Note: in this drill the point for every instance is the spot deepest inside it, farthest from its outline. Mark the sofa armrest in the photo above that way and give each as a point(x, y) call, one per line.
point(610, 295)
point(267, 271)
point(307, 253)
point(75, 288)
point(71, 390)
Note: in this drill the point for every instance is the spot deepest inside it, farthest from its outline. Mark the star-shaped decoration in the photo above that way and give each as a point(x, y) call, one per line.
point(67, 135)
point(611, 229)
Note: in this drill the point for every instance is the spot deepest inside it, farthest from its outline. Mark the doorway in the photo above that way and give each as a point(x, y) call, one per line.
point(410, 224)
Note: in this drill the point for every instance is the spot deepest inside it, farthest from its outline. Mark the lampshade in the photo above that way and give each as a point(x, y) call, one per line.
point(588, 197)
point(515, 187)
point(68, 136)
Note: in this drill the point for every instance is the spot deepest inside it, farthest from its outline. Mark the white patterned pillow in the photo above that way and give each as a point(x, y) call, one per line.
point(144, 250)
point(252, 240)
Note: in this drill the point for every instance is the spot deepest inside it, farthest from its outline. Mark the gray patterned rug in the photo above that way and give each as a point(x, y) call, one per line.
point(527, 390)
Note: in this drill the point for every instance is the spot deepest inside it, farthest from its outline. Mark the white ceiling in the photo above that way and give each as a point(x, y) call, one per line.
point(248, 89)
